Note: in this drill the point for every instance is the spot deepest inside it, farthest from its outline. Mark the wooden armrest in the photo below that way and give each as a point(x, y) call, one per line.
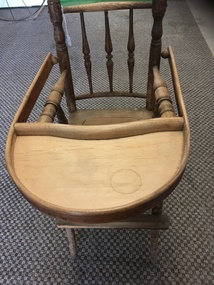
point(176, 85)
point(35, 88)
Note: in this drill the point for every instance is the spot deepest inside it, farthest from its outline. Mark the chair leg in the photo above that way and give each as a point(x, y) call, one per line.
point(157, 210)
point(154, 246)
point(72, 241)
point(154, 222)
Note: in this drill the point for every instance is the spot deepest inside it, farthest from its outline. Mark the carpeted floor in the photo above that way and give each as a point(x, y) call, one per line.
point(32, 249)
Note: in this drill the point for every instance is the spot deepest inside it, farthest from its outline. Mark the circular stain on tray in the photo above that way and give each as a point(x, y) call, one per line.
point(126, 181)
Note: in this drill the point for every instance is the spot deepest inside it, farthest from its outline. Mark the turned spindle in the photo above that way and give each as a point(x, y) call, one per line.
point(109, 49)
point(53, 101)
point(86, 52)
point(163, 100)
point(131, 48)
point(158, 11)
point(61, 116)
point(55, 11)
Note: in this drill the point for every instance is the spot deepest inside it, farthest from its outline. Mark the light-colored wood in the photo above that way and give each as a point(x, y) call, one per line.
point(100, 132)
point(53, 101)
point(177, 88)
point(100, 176)
point(35, 88)
point(72, 241)
point(141, 221)
point(109, 164)
point(111, 94)
point(107, 6)
point(162, 97)
point(90, 173)
point(180, 101)
point(108, 116)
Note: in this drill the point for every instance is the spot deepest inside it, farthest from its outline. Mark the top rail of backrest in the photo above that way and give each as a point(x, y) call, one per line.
point(107, 6)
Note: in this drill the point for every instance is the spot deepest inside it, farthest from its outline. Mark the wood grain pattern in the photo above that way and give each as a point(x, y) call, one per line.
point(98, 132)
point(104, 216)
point(108, 116)
point(113, 164)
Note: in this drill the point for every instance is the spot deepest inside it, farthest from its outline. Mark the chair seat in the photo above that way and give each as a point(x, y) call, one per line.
point(74, 178)
point(108, 116)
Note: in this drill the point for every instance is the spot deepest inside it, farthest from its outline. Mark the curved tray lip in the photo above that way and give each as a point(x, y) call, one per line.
point(100, 132)
point(105, 215)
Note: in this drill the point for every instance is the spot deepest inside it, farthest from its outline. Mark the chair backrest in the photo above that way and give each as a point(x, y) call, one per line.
point(158, 8)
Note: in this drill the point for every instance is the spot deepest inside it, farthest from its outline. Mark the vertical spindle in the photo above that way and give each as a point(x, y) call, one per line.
point(131, 48)
point(108, 49)
point(53, 101)
point(61, 116)
point(162, 97)
point(55, 10)
point(86, 52)
point(158, 11)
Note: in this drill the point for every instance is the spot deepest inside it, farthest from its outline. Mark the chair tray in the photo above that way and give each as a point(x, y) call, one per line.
point(79, 179)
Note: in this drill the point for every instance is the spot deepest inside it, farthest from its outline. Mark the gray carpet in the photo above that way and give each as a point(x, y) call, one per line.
point(32, 249)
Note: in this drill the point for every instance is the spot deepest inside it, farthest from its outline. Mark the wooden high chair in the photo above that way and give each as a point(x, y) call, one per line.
point(101, 168)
